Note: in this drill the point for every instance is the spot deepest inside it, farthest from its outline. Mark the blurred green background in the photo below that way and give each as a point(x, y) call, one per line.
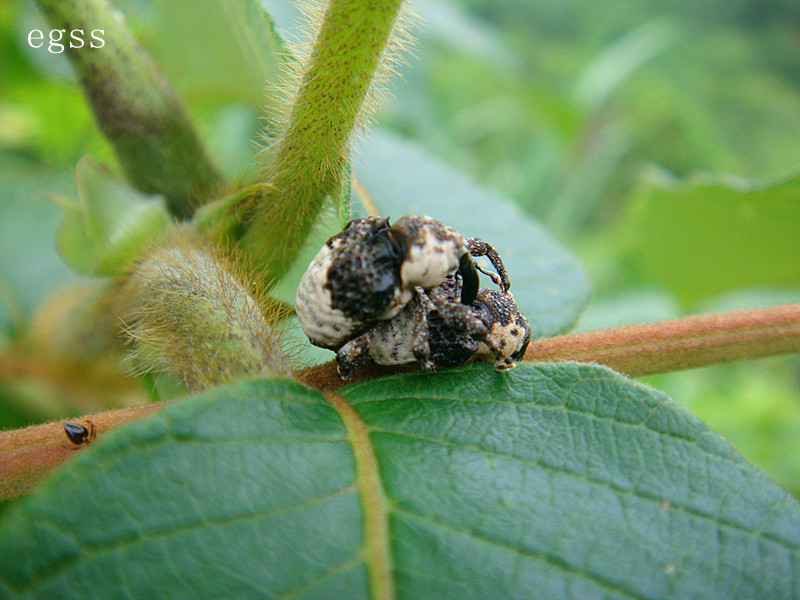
point(658, 139)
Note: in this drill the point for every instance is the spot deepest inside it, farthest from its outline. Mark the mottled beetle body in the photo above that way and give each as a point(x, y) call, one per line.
point(422, 333)
point(368, 273)
point(331, 302)
point(408, 293)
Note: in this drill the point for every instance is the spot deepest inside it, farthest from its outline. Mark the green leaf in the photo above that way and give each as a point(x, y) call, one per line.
point(237, 41)
point(710, 235)
point(452, 25)
point(112, 224)
point(621, 59)
point(30, 268)
point(548, 284)
point(295, 344)
point(548, 481)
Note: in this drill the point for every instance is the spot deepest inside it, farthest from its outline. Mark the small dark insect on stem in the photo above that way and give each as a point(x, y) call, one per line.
point(80, 435)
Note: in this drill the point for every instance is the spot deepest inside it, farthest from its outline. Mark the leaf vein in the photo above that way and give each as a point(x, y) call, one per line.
point(756, 533)
point(373, 502)
point(118, 544)
point(342, 567)
point(550, 560)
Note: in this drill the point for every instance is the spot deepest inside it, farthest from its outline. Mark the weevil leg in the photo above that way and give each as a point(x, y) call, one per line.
point(354, 353)
point(493, 276)
point(459, 316)
point(421, 346)
point(477, 247)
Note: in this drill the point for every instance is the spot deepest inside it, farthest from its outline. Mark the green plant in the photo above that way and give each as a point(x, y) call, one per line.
point(553, 480)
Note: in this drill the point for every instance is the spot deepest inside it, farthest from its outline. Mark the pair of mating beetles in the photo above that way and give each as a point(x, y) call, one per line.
point(408, 292)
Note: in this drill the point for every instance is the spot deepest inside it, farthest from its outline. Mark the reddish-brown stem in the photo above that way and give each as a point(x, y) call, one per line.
point(26, 455)
point(646, 349)
point(636, 350)
point(686, 343)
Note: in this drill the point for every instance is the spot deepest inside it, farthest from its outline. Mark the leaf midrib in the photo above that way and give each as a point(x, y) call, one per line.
point(377, 548)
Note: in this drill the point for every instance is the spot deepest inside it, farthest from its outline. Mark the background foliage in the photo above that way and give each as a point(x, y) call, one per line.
point(583, 113)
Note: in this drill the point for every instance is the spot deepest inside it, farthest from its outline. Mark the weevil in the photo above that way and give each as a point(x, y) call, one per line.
point(408, 292)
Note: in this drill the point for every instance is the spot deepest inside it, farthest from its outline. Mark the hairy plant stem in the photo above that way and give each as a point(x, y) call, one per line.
point(696, 341)
point(636, 350)
point(190, 311)
point(645, 349)
point(27, 455)
point(135, 107)
point(307, 160)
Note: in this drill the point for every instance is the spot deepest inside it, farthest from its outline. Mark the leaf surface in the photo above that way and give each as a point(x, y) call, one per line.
point(236, 39)
point(560, 481)
point(710, 235)
point(30, 268)
point(110, 225)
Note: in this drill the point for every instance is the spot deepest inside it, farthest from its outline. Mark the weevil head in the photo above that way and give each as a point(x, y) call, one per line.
point(509, 330)
point(431, 250)
point(470, 281)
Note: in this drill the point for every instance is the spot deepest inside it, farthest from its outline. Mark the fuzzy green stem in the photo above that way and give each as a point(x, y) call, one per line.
point(192, 313)
point(307, 160)
point(135, 107)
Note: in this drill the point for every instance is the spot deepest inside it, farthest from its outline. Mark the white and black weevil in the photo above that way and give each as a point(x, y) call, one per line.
point(369, 272)
point(435, 338)
point(408, 293)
